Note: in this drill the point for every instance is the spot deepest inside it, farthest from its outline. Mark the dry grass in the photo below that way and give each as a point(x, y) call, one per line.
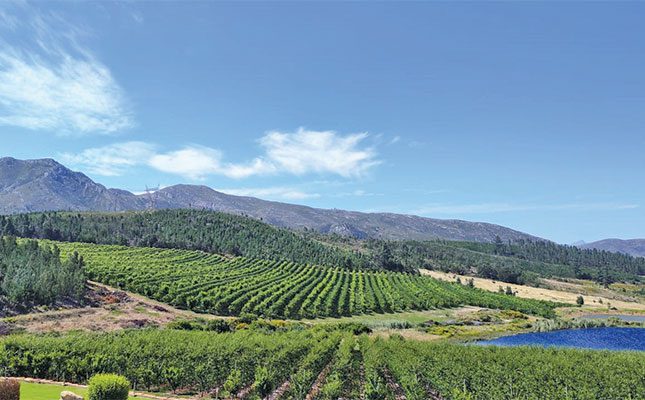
point(113, 310)
point(413, 334)
point(529, 292)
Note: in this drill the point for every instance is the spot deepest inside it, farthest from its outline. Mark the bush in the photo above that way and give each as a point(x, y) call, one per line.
point(580, 301)
point(9, 389)
point(219, 326)
point(108, 387)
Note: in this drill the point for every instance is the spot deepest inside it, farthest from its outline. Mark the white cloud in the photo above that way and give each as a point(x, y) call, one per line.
point(112, 160)
point(356, 193)
point(192, 162)
point(291, 153)
point(278, 192)
point(490, 208)
point(307, 151)
point(51, 82)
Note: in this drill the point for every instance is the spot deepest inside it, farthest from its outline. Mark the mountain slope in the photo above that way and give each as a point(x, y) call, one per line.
point(40, 185)
point(346, 223)
point(45, 185)
point(634, 247)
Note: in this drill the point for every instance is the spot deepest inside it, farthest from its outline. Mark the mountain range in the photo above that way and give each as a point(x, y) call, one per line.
point(46, 185)
point(634, 247)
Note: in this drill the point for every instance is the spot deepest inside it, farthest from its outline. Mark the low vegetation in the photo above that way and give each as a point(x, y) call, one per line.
point(472, 372)
point(108, 387)
point(328, 361)
point(215, 284)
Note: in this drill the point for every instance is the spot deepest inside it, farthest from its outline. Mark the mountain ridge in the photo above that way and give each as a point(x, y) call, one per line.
point(633, 247)
point(46, 185)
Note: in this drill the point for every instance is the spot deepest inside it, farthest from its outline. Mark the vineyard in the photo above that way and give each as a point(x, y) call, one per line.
point(216, 284)
point(325, 363)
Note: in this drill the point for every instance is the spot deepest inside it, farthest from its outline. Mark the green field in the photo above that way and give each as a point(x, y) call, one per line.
point(215, 284)
point(254, 363)
point(40, 391)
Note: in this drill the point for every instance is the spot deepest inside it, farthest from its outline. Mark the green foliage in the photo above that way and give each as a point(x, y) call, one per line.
point(251, 288)
point(208, 231)
point(357, 366)
point(521, 262)
point(170, 359)
point(474, 372)
point(108, 387)
point(35, 275)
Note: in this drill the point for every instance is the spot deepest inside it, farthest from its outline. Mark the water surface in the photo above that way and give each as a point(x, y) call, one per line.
point(587, 338)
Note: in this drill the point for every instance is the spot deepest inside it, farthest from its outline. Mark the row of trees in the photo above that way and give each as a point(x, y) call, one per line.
point(522, 262)
point(252, 365)
point(35, 275)
point(221, 364)
point(425, 370)
point(209, 231)
point(230, 286)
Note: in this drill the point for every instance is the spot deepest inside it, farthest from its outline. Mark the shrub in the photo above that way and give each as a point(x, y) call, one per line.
point(580, 301)
point(108, 387)
point(9, 389)
point(219, 326)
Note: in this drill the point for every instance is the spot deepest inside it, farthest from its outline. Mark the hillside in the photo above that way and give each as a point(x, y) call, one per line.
point(45, 185)
point(517, 262)
point(219, 285)
point(208, 231)
point(521, 262)
point(37, 185)
point(634, 247)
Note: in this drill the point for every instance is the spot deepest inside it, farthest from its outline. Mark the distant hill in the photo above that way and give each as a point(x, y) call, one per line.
point(634, 247)
point(39, 185)
point(46, 185)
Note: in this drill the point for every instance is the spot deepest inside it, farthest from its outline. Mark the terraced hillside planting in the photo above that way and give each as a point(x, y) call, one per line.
point(222, 285)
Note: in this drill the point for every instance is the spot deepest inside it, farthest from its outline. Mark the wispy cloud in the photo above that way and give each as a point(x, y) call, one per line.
point(112, 160)
point(51, 81)
point(356, 193)
point(278, 192)
point(306, 151)
point(197, 162)
point(296, 153)
point(490, 208)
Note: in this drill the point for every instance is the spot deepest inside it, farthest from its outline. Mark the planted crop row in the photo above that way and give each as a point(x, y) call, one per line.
point(329, 363)
point(429, 371)
point(226, 364)
point(215, 284)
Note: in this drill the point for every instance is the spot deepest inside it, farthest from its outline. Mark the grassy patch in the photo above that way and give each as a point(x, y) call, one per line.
point(37, 391)
point(42, 391)
point(375, 321)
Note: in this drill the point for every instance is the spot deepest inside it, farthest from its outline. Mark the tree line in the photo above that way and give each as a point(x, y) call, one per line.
point(521, 262)
point(33, 275)
point(209, 231)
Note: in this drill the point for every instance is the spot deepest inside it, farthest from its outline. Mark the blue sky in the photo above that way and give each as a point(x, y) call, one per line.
point(527, 114)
